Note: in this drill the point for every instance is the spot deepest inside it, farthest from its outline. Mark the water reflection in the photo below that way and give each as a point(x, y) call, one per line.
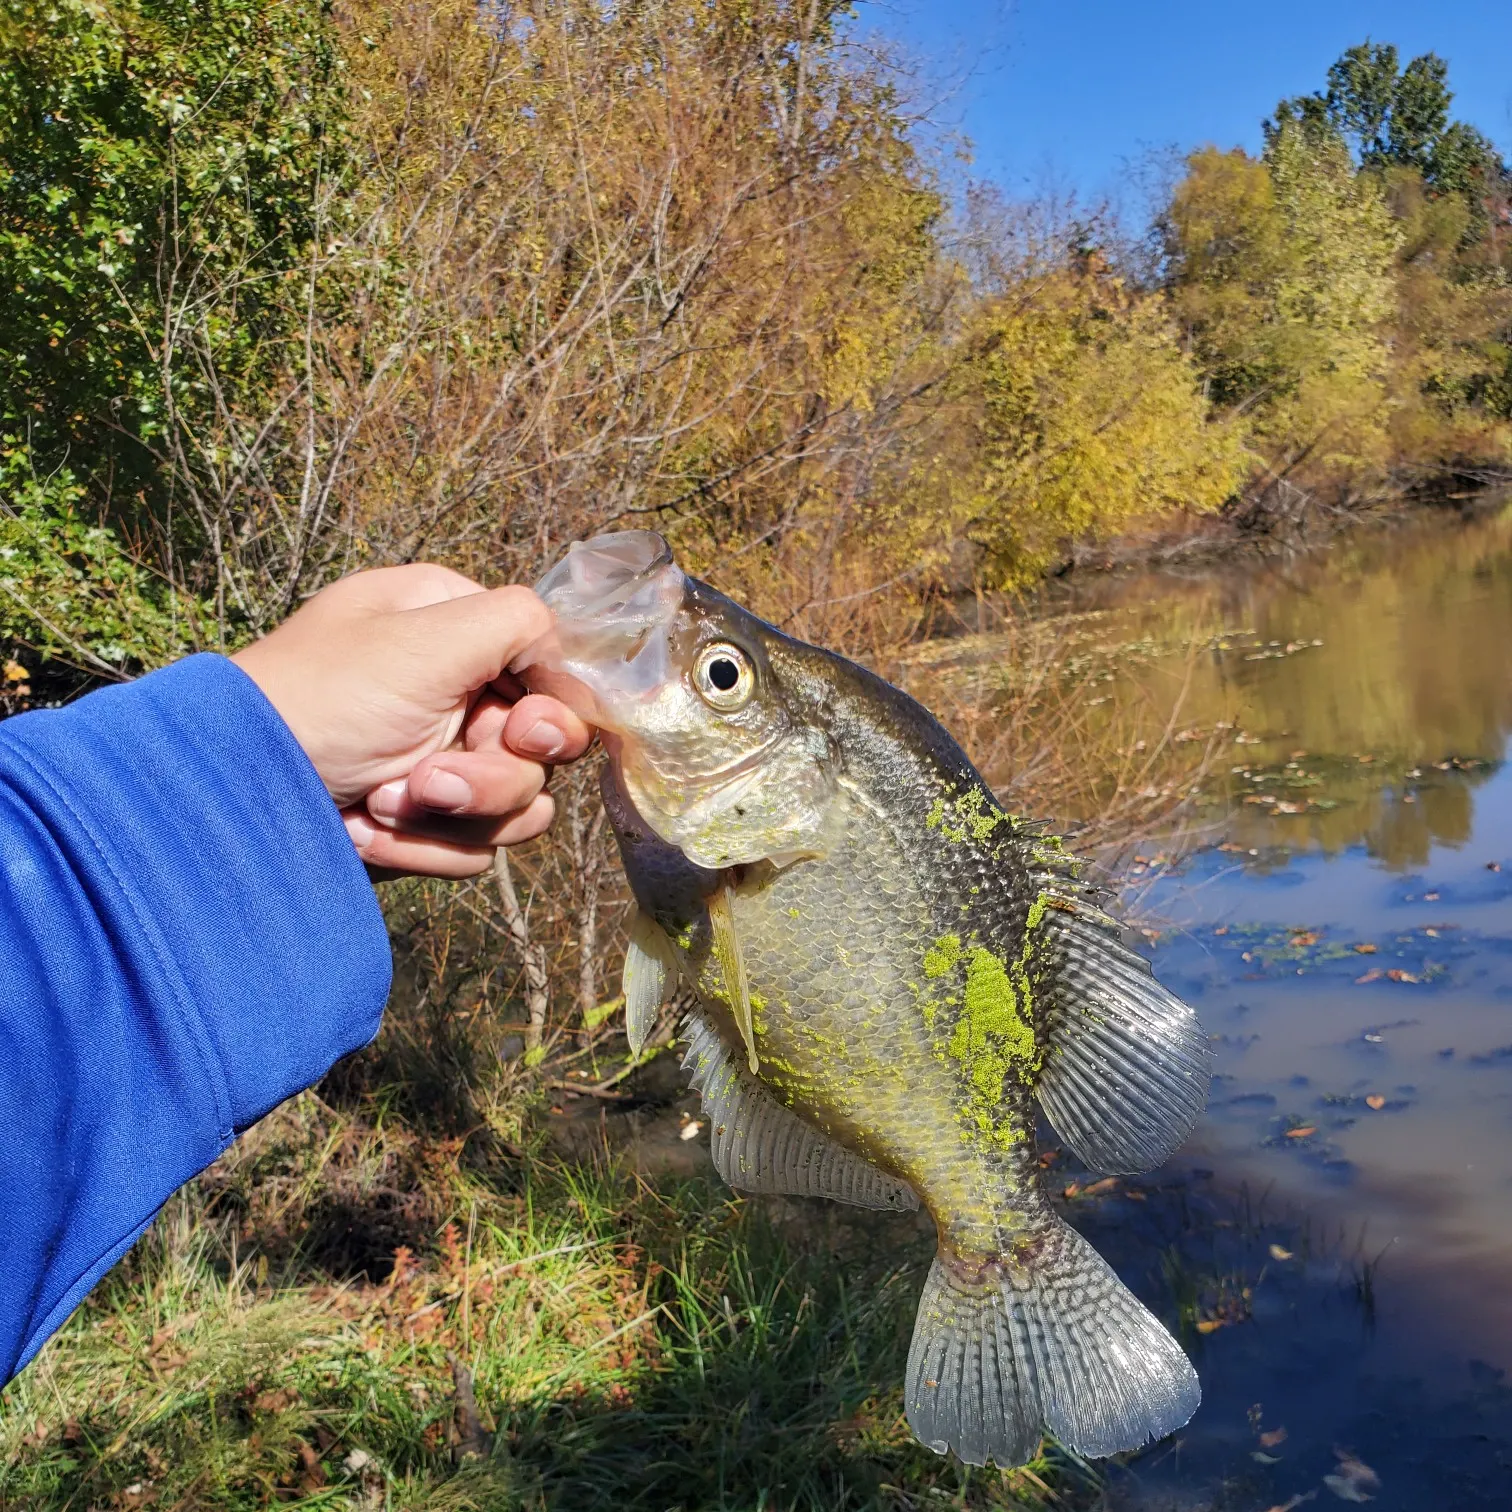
point(1368, 688)
point(1348, 942)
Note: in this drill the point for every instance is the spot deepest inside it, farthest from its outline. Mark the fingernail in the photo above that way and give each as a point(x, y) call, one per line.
point(387, 802)
point(361, 831)
point(542, 739)
point(446, 790)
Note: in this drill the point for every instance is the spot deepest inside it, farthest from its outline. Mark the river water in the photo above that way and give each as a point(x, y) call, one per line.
point(1338, 1231)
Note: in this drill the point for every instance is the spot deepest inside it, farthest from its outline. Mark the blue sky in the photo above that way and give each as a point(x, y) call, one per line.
point(1073, 94)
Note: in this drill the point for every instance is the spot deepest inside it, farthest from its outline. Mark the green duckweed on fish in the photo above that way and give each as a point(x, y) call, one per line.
point(889, 970)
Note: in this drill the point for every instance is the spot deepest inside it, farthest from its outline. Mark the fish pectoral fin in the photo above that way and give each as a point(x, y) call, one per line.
point(1127, 1064)
point(726, 942)
point(650, 970)
point(999, 1354)
point(760, 1146)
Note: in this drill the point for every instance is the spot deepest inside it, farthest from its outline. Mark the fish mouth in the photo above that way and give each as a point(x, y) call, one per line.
point(615, 600)
point(606, 577)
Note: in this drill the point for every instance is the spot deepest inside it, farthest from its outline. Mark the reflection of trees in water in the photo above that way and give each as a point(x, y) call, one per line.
point(1403, 833)
point(1415, 669)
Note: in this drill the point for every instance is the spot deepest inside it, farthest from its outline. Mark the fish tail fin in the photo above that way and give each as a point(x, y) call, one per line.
point(1048, 1338)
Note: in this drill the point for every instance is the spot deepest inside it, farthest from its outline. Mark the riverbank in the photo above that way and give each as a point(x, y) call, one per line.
point(1246, 532)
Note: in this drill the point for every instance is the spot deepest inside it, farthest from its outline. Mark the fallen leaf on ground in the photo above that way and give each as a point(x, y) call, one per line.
point(1274, 1437)
point(1303, 1132)
point(1365, 950)
point(1398, 975)
point(690, 1130)
point(1375, 1102)
point(1277, 1253)
point(1373, 975)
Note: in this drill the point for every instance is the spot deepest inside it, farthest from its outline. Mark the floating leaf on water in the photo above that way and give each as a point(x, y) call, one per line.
point(1261, 1458)
point(1373, 975)
point(1365, 949)
point(690, 1130)
point(1302, 1497)
point(1302, 938)
point(1107, 1184)
point(1209, 1325)
point(1303, 1132)
point(1432, 897)
point(1354, 1481)
point(1396, 974)
point(1375, 1102)
point(1291, 808)
point(1277, 1253)
point(1072, 1190)
point(1222, 929)
point(1493, 866)
point(1274, 1437)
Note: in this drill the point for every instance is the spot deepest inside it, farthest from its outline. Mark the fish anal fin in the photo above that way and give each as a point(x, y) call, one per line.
point(650, 971)
point(761, 1146)
point(726, 943)
point(1002, 1353)
point(1126, 1068)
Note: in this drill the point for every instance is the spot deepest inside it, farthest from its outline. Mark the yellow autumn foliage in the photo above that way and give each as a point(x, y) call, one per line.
point(1074, 415)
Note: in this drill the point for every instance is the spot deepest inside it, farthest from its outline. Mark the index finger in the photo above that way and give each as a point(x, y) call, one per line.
point(470, 640)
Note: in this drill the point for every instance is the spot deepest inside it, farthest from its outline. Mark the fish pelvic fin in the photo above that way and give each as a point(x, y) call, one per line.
point(1005, 1350)
point(1126, 1069)
point(650, 972)
point(726, 942)
point(761, 1146)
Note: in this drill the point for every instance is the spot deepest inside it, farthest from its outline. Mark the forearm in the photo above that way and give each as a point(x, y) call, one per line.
point(187, 937)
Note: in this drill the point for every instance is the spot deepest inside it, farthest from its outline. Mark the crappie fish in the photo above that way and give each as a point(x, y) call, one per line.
point(889, 970)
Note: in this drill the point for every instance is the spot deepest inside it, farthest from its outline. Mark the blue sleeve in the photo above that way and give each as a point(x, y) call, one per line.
point(187, 937)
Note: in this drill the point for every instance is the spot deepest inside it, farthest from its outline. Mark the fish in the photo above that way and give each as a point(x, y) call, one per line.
point(888, 972)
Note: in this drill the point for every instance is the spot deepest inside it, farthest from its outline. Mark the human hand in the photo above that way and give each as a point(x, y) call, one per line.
point(396, 684)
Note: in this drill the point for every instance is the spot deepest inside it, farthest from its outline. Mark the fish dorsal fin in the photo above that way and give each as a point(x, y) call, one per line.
point(1126, 1070)
point(726, 942)
point(761, 1146)
point(650, 970)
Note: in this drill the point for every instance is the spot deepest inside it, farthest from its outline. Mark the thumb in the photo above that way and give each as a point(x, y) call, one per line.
point(467, 642)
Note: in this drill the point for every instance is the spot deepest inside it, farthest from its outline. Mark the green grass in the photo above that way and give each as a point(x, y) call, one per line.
point(633, 1345)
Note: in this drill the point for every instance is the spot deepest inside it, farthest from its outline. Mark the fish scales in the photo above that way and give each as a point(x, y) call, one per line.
point(889, 971)
point(857, 1005)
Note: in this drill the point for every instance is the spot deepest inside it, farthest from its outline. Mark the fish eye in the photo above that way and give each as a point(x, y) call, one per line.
point(723, 676)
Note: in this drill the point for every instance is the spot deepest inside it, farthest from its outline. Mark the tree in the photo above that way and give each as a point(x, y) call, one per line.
point(1281, 274)
point(1394, 116)
point(162, 169)
point(1074, 414)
